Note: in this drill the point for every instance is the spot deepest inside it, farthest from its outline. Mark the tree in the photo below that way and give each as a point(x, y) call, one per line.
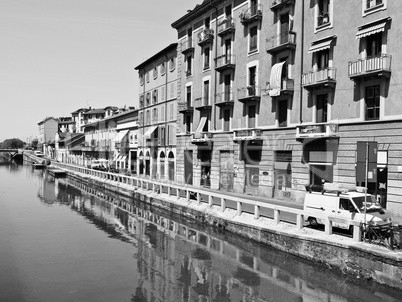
point(12, 143)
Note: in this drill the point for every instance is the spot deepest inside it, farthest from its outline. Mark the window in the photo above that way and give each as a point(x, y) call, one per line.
point(282, 113)
point(147, 76)
point(188, 96)
point(373, 102)
point(322, 108)
point(148, 117)
point(187, 122)
point(188, 69)
point(228, 11)
point(172, 64)
point(141, 79)
point(148, 99)
point(171, 111)
point(207, 57)
point(226, 120)
point(162, 94)
point(207, 22)
point(252, 73)
point(141, 101)
point(373, 3)
point(253, 39)
point(155, 115)
point(322, 59)
point(251, 116)
point(323, 12)
point(206, 93)
point(227, 88)
point(172, 90)
point(374, 44)
point(162, 114)
point(155, 96)
point(155, 71)
point(163, 68)
point(206, 125)
point(284, 28)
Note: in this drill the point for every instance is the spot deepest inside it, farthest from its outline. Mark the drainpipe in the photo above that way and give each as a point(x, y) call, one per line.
point(301, 63)
point(216, 56)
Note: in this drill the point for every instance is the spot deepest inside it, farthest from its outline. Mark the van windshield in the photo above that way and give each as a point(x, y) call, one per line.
point(372, 203)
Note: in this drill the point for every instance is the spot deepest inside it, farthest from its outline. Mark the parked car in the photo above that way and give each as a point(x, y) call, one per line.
point(39, 154)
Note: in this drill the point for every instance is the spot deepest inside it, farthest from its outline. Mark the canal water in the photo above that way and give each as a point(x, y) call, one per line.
point(60, 240)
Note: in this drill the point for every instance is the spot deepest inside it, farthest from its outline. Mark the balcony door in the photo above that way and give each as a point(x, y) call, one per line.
point(322, 108)
point(284, 28)
point(227, 83)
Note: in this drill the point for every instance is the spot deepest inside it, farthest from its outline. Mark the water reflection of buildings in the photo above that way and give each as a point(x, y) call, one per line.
point(184, 262)
point(177, 262)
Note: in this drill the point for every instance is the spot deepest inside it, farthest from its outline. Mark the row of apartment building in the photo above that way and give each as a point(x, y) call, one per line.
point(268, 96)
point(261, 97)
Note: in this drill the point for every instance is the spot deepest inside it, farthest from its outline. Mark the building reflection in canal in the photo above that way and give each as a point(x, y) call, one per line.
point(181, 261)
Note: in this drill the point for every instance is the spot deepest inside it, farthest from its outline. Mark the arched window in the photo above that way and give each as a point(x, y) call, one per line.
point(171, 165)
point(162, 165)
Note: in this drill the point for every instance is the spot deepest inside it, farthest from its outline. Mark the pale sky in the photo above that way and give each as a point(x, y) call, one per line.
point(57, 56)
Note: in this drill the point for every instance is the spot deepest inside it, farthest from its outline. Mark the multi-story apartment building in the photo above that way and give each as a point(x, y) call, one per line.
point(78, 119)
point(274, 95)
point(157, 115)
point(47, 128)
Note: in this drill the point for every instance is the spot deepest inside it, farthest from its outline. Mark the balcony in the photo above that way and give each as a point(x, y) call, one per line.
point(278, 4)
point(317, 130)
point(248, 94)
point(152, 142)
point(247, 134)
point(185, 108)
point(205, 36)
point(202, 104)
point(226, 27)
point(187, 46)
point(287, 87)
point(324, 77)
point(374, 66)
point(225, 62)
point(254, 13)
point(201, 138)
point(284, 41)
point(224, 99)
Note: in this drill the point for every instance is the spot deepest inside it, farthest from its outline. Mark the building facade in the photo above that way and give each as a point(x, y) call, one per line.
point(157, 115)
point(274, 95)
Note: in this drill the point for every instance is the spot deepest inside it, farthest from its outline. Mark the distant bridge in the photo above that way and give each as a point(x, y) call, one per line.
point(14, 153)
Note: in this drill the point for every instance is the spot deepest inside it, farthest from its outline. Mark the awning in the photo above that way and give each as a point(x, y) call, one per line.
point(148, 133)
point(320, 45)
point(201, 125)
point(120, 135)
point(371, 28)
point(275, 79)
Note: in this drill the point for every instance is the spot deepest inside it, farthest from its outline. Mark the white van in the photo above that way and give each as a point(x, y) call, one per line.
point(344, 203)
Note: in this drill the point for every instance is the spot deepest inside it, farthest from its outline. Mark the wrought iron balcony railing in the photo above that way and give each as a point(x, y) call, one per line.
point(251, 14)
point(286, 40)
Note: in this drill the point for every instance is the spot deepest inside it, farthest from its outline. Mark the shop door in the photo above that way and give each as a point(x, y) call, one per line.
point(188, 167)
point(226, 178)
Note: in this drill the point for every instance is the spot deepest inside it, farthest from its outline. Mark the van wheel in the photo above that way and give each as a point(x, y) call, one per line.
point(313, 222)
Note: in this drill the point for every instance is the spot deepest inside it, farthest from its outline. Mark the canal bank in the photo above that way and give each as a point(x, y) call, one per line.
point(362, 260)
